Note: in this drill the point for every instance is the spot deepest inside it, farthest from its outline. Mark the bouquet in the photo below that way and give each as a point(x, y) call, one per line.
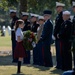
point(29, 40)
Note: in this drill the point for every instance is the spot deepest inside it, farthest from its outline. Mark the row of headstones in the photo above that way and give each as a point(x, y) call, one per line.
point(3, 30)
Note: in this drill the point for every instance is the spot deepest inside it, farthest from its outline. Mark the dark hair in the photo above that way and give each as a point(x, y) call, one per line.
point(17, 23)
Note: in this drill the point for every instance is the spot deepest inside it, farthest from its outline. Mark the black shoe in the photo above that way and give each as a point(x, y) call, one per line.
point(57, 67)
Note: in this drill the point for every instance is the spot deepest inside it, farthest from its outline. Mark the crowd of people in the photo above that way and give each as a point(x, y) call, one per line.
point(62, 34)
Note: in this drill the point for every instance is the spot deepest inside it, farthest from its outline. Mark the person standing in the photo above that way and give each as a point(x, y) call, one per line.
point(65, 37)
point(40, 28)
point(58, 22)
point(19, 52)
point(26, 28)
point(46, 39)
point(38, 60)
point(14, 19)
point(74, 33)
point(34, 24)
point(34, 27)
point(26, 21)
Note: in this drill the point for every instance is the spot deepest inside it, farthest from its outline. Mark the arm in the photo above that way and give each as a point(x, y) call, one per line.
point(18, 39)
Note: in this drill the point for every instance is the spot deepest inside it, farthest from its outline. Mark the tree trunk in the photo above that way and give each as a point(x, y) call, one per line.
point(23, 5)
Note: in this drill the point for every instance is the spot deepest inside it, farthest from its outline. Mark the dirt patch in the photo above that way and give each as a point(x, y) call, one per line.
point(5, 49)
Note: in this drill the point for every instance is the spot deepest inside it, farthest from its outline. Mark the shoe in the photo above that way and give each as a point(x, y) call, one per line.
point(57, 67)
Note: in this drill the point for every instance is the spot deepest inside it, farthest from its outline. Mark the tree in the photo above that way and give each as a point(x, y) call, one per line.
point(23, 5)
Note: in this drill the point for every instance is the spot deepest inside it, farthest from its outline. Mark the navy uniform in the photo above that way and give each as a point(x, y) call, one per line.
point(26, 27)
point(34, 24)
point(65, 37)
point(38, 47)
point(74, 35)
point(14, 19)
point(34, 27)
point(58, 22)
point(46, 39)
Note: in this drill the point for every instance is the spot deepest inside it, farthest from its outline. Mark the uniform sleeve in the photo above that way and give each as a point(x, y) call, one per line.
point(47, 31)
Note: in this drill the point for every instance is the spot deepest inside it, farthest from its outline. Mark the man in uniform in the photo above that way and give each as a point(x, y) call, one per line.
point(34, 24)
point(26, 27)
point(14, 19)
point(26, 21)
point(34, 27)
point(65, 37)
point(74, 33)
point(46, 39)
point(38, 58)
point(58, 22)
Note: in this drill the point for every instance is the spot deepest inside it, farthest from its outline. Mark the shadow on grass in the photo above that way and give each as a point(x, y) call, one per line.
point(21, 74)
point(56, 71)
point(42, 68)
point(6, 60)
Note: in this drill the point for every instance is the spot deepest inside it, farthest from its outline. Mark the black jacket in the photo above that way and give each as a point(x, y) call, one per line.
point(34, 27)
point(27, 26)
point(66, 30)
point(15, 18)
point(58, 22)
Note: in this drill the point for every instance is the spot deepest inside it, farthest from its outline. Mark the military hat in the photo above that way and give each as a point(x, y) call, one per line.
point(66, 13)
point(13, 11)
point(73, 4)
point(47, 12)
point(59, 4)
point(41, 17)
point(34, 15)
point(25, 13)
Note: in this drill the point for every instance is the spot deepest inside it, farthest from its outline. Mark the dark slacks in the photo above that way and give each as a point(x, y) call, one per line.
point(27, 59)
point(58, 53)
point(13, 48)
point(47, 54)
point(66, 55)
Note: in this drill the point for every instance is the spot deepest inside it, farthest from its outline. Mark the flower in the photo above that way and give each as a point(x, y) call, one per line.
point(29, 38)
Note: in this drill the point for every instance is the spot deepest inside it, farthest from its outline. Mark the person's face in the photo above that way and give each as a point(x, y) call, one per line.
point(46, 17)
point(59, 9)
point(41, 22)
point(21, 25)
point(24, 17)
point(33, 19)
point(74, 9)
point(12, 15)
point(66, 17)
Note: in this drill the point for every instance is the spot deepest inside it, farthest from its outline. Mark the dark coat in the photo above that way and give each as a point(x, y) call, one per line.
point(15, 18)
point(34, 27)
point(65, 30)
point(27, 26)
point(46, 38)
point(58, 22)
point(74, 25)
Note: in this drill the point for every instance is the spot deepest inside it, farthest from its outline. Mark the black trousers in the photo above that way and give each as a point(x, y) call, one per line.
point(66, 55)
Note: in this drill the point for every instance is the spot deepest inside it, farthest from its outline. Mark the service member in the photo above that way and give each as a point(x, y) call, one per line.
point(27, 27)
point(34, 24)
point(14, 19)
point(65, 37)
point(24, 17)
point(46, 39)
point(58, 22)
point(74, 33)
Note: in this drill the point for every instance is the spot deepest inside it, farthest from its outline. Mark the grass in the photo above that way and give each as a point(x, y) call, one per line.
point(5, 41)
point(8, 68)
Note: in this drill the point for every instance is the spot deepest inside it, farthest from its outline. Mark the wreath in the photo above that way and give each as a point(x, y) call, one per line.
point(29, 40)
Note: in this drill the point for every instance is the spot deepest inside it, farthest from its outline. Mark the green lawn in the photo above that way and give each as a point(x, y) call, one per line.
point(5, 41)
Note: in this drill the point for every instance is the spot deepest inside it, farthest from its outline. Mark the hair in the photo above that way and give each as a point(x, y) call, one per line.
point(17, 23)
